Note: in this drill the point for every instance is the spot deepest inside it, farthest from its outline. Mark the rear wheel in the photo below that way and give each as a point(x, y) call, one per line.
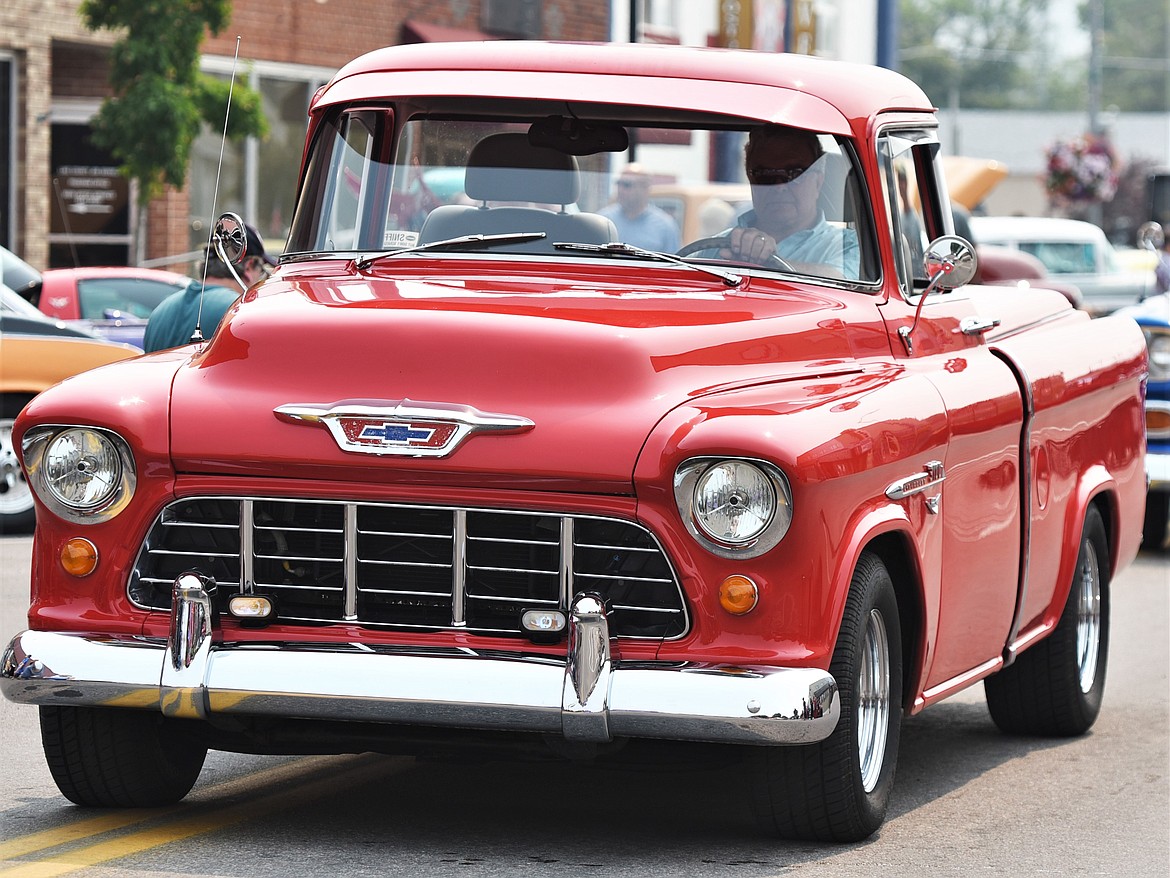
point(16, 499)
point(112, 758)
point(1055, 687)
point(839, 789)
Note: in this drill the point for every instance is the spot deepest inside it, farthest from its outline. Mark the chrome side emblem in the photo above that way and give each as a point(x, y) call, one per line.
point(931, 476)
point(404, 428)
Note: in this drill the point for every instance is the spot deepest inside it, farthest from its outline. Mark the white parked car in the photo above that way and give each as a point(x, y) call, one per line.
point(1074, 252)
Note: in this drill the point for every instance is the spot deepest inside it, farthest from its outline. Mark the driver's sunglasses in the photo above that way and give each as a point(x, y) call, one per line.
point(774, 176)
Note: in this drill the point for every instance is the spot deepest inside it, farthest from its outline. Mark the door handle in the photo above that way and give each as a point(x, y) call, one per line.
point(977, 325)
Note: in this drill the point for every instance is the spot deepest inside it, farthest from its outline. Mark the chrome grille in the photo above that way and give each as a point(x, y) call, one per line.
point(410, 566)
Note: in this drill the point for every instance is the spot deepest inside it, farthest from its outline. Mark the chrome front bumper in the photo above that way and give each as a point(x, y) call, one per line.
point(585, 696)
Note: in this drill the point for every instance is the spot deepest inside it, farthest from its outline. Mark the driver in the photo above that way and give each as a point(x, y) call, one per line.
point(786, 169)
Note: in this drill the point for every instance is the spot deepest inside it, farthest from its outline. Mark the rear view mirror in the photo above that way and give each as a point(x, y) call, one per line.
point(573, 136)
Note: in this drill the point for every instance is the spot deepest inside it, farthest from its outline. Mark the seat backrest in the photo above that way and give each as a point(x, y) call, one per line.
point(455, 220)
point(506, 167)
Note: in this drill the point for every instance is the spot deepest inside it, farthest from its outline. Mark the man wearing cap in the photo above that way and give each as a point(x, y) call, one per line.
point(173, 322)
point(639, 222)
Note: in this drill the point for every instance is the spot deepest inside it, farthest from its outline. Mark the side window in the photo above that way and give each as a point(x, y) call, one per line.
point(914, 194)
point(133, 296)
point(348, 181)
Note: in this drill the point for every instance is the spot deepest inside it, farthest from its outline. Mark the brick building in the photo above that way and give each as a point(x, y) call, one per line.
point(60, 199)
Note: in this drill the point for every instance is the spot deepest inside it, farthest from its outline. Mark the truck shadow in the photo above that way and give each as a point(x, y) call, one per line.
point(655, 804)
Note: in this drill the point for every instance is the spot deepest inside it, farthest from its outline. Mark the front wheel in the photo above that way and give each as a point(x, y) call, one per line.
point(118, 758)
point(839, 789)
point(1055, 687)
point(17, 513)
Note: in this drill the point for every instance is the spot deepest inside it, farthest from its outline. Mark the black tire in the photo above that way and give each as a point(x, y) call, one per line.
point(1055, 687)
point(1157, 521)
point(113, 758)
point(17, 513)
point(838, 790)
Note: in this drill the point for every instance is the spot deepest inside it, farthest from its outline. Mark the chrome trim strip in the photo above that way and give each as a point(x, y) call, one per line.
point(247, 546)
point(349, 551)
point(565, 573)
point(444, 687)
point(459, 569)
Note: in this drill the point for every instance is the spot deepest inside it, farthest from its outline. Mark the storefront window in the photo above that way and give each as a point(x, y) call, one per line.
point(258, 177)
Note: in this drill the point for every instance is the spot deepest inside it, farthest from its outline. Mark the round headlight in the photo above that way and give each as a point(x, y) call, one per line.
point(82, 468)
point(737, 508)
point(734, 502)
point(83, 474)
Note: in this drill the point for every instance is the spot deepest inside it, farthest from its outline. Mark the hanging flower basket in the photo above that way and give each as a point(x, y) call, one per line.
point(1081, 171)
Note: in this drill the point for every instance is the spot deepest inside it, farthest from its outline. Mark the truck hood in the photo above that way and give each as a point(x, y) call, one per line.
point(561, 380)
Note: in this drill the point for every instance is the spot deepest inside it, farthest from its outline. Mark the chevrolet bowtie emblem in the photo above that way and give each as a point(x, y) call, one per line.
point(405, 428)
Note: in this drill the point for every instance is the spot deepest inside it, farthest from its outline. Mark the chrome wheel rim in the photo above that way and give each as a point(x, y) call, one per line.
point(1088, 595)
point(873, 701)
point(15, 496)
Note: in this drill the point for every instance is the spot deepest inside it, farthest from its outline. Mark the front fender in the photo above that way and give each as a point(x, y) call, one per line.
point(839, 456)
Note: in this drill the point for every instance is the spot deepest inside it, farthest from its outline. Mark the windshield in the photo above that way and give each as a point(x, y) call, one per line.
point(769, 197)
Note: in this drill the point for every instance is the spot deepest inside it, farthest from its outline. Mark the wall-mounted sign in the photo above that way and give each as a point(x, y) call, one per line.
point(89, 200)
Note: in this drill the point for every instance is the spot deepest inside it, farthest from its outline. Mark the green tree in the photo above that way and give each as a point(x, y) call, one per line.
point(982, 53)
point(161, 99)
point(1135, 63)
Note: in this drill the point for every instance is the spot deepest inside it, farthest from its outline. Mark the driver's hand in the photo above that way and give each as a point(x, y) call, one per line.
point(749, 245)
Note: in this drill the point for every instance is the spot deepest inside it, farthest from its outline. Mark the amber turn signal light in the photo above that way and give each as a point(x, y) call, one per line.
point(738, 595)
point(79, 557)
point(1157, 420)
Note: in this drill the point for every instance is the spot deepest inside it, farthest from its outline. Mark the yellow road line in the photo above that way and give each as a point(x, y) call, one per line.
point(120, 818)
point(186, 820)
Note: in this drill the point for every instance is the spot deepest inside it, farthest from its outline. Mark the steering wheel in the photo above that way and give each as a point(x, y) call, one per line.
point(721, 242)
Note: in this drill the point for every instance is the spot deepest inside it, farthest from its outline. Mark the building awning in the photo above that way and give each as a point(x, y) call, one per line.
point(424, 32)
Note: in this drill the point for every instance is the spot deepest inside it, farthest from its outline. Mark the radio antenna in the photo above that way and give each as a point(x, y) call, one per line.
point(197, 335)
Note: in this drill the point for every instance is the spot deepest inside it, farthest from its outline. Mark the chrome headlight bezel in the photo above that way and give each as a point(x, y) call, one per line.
point(121, 475)
point(689, 479)
point(1158, 348)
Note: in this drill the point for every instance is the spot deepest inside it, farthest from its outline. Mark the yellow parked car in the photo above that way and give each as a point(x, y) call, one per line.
point(35, 352)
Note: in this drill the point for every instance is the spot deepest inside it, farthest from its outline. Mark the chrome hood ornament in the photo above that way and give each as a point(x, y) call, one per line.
point(402, 428)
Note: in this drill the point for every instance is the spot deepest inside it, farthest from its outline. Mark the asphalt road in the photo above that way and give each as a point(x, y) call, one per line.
point(967, 801)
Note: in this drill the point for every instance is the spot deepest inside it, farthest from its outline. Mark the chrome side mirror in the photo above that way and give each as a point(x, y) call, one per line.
point(229, 239)
point(950, 262)
point(1150, 236)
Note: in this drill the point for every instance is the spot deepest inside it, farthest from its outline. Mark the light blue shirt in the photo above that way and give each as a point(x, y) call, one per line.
point(652, 229)
point(822, 243)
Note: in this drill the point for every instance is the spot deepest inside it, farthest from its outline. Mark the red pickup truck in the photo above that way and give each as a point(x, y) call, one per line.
point(479, 468)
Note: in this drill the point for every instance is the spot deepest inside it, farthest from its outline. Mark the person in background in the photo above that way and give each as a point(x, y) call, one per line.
point(639, 222)
point(173, 322)
point(785, 170)
point(1162, 269)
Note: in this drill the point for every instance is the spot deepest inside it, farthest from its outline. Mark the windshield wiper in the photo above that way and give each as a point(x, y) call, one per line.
point(732, 280)
point(463, 241)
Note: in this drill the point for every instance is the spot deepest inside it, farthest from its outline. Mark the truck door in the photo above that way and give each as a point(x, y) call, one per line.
point(977, 503)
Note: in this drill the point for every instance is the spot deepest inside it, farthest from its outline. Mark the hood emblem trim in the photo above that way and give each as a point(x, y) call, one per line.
point(401, 428)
